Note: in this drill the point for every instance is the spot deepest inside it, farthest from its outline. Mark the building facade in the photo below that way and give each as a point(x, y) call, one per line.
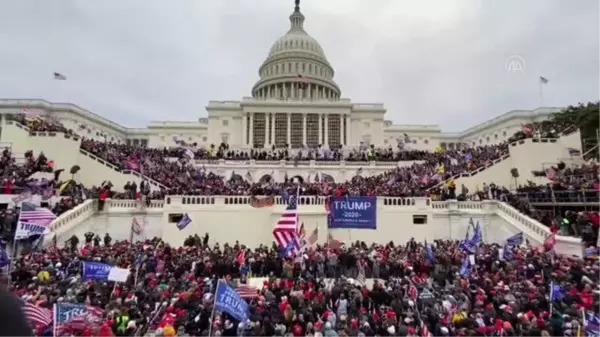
point(295, 103)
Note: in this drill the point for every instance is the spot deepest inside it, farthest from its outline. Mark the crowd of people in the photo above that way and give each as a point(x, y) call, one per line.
point(176, 167)
point(570, 188)
point(420, 289)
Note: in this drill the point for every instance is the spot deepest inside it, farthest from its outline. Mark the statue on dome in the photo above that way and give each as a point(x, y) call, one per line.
point(297, 2)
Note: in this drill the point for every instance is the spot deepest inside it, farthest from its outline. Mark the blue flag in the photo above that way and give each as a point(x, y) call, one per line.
point(507, 254)
point(429, 253)
point(95, 271)
point(464, 269)
point(592, 324)
point(515, 240)
point(556, 292)
point(75, 316)
point(287, 250)
point(477, 235)
point(184, 222)
point(285, 195)
point(229, 301)
point(4, 259)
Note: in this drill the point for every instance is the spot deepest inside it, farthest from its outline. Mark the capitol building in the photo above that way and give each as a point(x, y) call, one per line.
point(295, 102)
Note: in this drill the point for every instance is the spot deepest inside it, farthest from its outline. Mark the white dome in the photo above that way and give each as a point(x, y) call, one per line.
point(293, 56)
point(297, 42)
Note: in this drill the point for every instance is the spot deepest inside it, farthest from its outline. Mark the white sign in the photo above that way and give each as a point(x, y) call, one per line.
point(25, 230)
point(118, 274)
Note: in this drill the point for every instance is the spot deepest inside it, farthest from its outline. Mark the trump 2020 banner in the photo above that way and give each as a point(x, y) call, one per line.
point(353, 212)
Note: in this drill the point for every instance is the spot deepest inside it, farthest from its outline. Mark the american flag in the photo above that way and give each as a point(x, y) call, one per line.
point(37, 316)
point(59, 76)
point(412, 292)
point(550, 242)
point(286, 229)
point(424, 331)
point(313, 237)
point(136, 226)
point(37, 215)
point(361, 278)
point(261, 202)
point(246, 291)
point(54, 246)
point(31, 113)
point(74, 317)
point(333, 243)
point(302, 232)
point(302, 81)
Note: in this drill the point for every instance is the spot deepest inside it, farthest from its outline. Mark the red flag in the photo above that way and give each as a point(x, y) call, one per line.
point(333, 243)
point(551, 173)
point(241, 257)
point(550, 242)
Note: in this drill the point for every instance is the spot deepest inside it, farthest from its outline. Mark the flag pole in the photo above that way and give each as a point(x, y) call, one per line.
point(540, 82)
point(212, 313)
point(13, 253)
point(551, 297)
point(131, 231)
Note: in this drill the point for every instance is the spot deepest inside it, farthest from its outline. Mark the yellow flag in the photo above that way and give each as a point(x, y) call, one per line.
point(63, 186)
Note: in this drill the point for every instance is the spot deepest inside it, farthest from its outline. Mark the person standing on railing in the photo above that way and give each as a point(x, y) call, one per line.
point(102, 196)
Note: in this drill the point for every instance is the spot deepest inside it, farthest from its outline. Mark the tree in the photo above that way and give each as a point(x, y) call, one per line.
point(514, 172)
point(584, 116)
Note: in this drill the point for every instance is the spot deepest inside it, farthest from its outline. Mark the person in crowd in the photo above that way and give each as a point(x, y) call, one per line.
point(14, 321)
point(405, 289)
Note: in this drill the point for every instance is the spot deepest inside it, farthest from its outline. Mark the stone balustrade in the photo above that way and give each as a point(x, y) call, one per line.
point(316, 205)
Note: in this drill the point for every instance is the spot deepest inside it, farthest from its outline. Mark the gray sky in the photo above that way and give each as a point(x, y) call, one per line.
point(431, 62)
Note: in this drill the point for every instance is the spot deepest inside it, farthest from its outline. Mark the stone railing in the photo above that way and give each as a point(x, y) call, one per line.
point(504, 157)
point(118, 169)
point(531, 227)
point(73, 217)
point(134, 206)
point(250, 163)
point(308, 200)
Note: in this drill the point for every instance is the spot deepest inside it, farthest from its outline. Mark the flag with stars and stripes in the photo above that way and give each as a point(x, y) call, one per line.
point(286, 229)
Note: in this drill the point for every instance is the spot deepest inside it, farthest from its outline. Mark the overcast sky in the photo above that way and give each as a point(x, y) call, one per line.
point(430, 62)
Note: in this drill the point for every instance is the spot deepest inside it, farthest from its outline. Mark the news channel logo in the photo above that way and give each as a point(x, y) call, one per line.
point(515, 64)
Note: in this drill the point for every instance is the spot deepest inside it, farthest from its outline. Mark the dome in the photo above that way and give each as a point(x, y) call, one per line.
point(297, 42)
point(296, 67)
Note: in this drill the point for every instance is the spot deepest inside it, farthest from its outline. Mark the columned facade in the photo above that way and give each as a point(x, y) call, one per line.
point(296, 130)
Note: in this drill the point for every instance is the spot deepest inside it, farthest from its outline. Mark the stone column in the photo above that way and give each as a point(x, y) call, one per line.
point(269, 92)
point(303, 129)
point(342, 131)
point(244, 127)
point(272, 129)
point(266, 127)
point(347, 130)
point(251, 129)
point(326, 140)
point(319, 123)
point(289, 128)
